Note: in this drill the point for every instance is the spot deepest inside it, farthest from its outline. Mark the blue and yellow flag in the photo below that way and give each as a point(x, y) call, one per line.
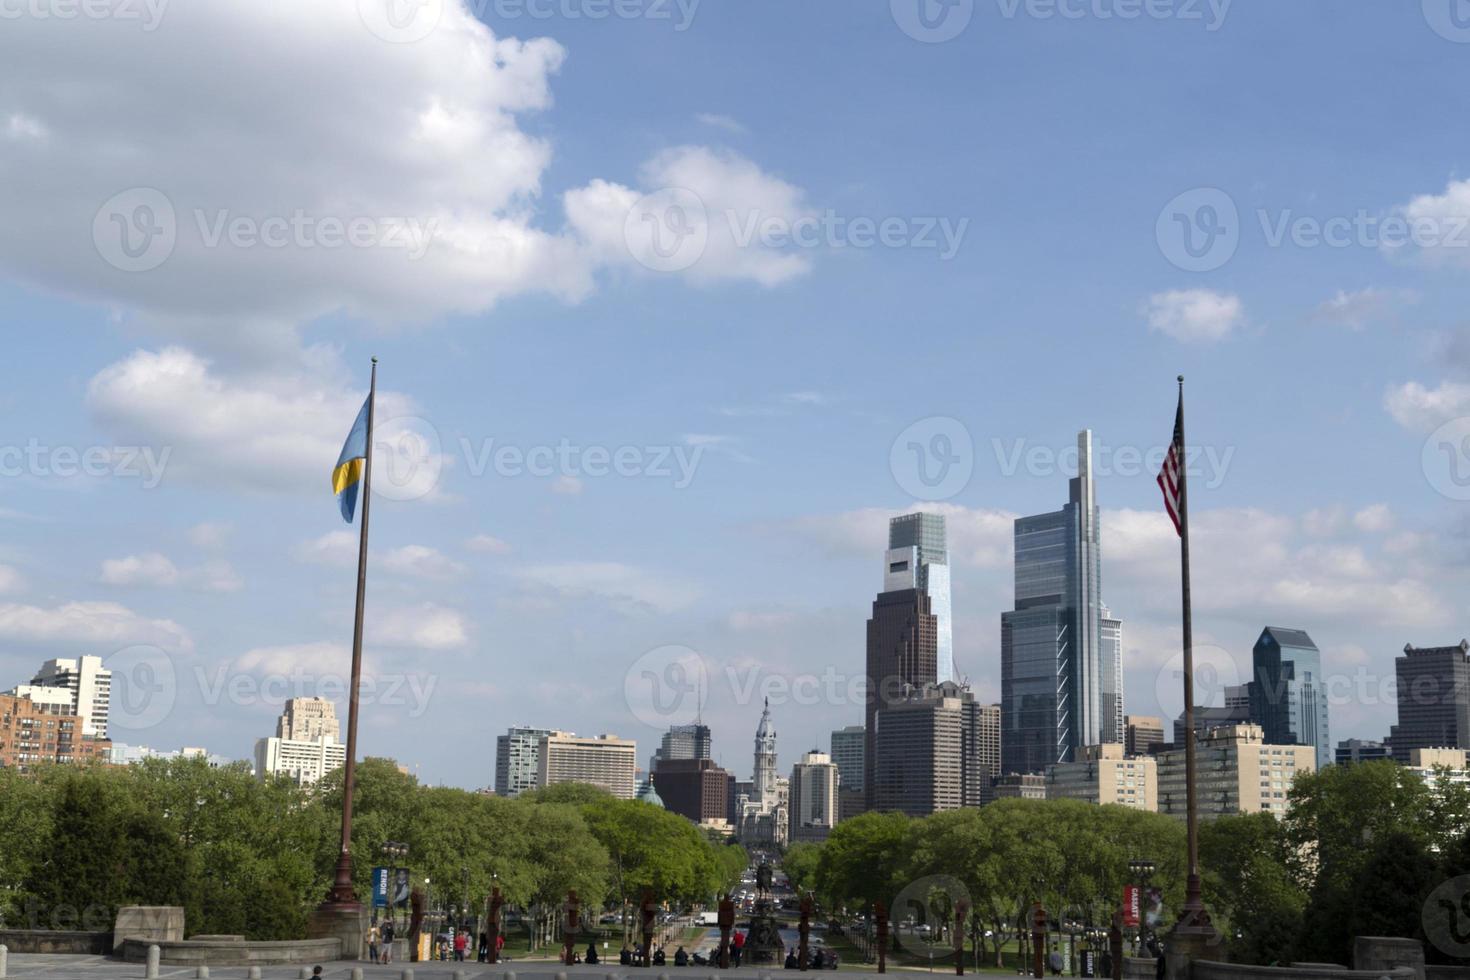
point(347, 475)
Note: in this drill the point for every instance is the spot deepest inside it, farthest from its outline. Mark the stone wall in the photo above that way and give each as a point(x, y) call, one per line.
point(226, 952)
point(56, 941)
point(1208, 970)
point(158, 923)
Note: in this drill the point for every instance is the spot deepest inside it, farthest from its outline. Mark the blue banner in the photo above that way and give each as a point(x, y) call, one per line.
point(380, 887)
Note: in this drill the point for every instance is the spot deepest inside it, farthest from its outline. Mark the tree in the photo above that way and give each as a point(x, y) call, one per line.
point(1250, 888)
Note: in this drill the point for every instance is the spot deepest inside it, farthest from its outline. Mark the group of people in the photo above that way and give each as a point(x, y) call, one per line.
point(821, 960)
point(380, 943)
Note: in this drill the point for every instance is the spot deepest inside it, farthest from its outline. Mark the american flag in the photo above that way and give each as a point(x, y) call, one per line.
point(1171, 477)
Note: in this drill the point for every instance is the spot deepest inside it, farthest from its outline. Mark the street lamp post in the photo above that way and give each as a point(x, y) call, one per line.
point(1143, 871)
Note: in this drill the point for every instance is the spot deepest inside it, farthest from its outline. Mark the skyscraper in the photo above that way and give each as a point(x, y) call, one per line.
point(1110, 668)
point(1434, 700)
point(813, 804)
point(1288, 696)
point(88, 683)
point(304, 719)
point(903, 636)
point(931, 750)
point(1052, 681)
point(682, 742)
point(847, 755)
point(518, 759)
point(918, 558)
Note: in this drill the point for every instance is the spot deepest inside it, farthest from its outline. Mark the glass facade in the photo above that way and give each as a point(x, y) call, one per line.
point(1288, 695)
point(924, 537)
point(1061, 679)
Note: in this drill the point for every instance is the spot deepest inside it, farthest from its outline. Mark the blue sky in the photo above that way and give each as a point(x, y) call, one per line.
point(1061, 154)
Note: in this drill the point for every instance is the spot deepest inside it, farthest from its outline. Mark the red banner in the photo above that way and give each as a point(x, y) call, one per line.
point(1132, 905)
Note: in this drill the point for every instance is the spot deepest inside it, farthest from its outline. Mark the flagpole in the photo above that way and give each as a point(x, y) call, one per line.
point(1194, 906)
point(343, 895)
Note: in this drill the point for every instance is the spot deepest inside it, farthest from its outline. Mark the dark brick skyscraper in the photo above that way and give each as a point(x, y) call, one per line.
point(903, 652)
point(1434, 700)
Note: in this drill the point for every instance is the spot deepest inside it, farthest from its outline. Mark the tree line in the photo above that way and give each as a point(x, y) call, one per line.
point(1360, 851)
point(251, 857)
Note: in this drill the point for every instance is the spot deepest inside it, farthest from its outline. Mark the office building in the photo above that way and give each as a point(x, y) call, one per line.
point(1288, 693)
point(1052, 685)
point(1351, 751)
point(1112, 727)
point(930, 752)
point(693, 788)
point(1143, 733)
point(304, 761)
point(122, 754)
point(36, 732)
point(901, 656)
point(1237, 771)
point(518, 759)
point(918, 558)
point(1440, 767)
point(604, 761)
point(88, 685)
point(683, 742)
point(1235, 711)
point(1019, 786)
point(812, 806)
point(1433, 700)
point(847, 756)
point(307, 719)
point(986, 754)
point(1105, 774)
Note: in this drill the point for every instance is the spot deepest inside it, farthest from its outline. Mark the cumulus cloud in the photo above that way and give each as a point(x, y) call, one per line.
point(1195, 315)
point(211, 535)
point(298, 658)
point(153, 570)
point(11, 581)
point(412, 187)
point(100, 626)
point(625, 587)
point(1438, 227)
point(426, 626)
point(339, 549)
point(1420, 408)
point(487, 544)
point(1358, 308)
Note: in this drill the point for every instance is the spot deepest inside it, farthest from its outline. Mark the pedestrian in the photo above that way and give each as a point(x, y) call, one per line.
point(1055, 961)
point(790, 963)
point(591, 958)
point(658, 957)
point(1105, 963)
point(316, 973)
point(1160, 964)
point(819, 962)
point(499, 945)
point(482, 951)
point(737, 949)
point(625, 956)
point(681, 958)
point(373, 937)
point(461, 943)
point(385, 948)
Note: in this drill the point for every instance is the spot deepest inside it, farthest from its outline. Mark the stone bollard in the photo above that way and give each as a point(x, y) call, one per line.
point(4, 960)
point(253, 973)
point(406, 975)
point(150, 969)
point(357, 973)
point(459, 975)
point(202, 973)
point(563, 976)
point(304, 974)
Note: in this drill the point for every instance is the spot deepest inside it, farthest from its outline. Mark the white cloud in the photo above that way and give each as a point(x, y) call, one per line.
point(339, 549)
point(271, 430)
point(333, 659)
point(720, 121)
point(153, 570)
point(1419, 408)
point(211, 536)
point(1358, 308)
point(101, 626)
point(427, 626)
point(1195, 315)
point(1439, 226)
point(487, 544)
point(716, 194)
point(11, 581)
point(567, 486)
point(978, 537)
point(148, 569)
point(624, 586)
point(1374, 519)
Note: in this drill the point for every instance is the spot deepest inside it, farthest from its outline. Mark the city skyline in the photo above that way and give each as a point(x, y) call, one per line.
point(593, 455)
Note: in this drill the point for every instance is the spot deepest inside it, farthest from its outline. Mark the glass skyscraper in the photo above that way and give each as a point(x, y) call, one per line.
point(918, 558)
point(1288, 697)
point(1061, 678)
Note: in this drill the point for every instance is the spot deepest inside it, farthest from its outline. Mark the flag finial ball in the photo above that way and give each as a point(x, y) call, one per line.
point(1181, 377)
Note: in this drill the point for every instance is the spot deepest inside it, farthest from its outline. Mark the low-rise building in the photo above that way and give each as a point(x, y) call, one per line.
point(1235, 772)
point(1105, 774)
point(1019, 786)
point(34, 733)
